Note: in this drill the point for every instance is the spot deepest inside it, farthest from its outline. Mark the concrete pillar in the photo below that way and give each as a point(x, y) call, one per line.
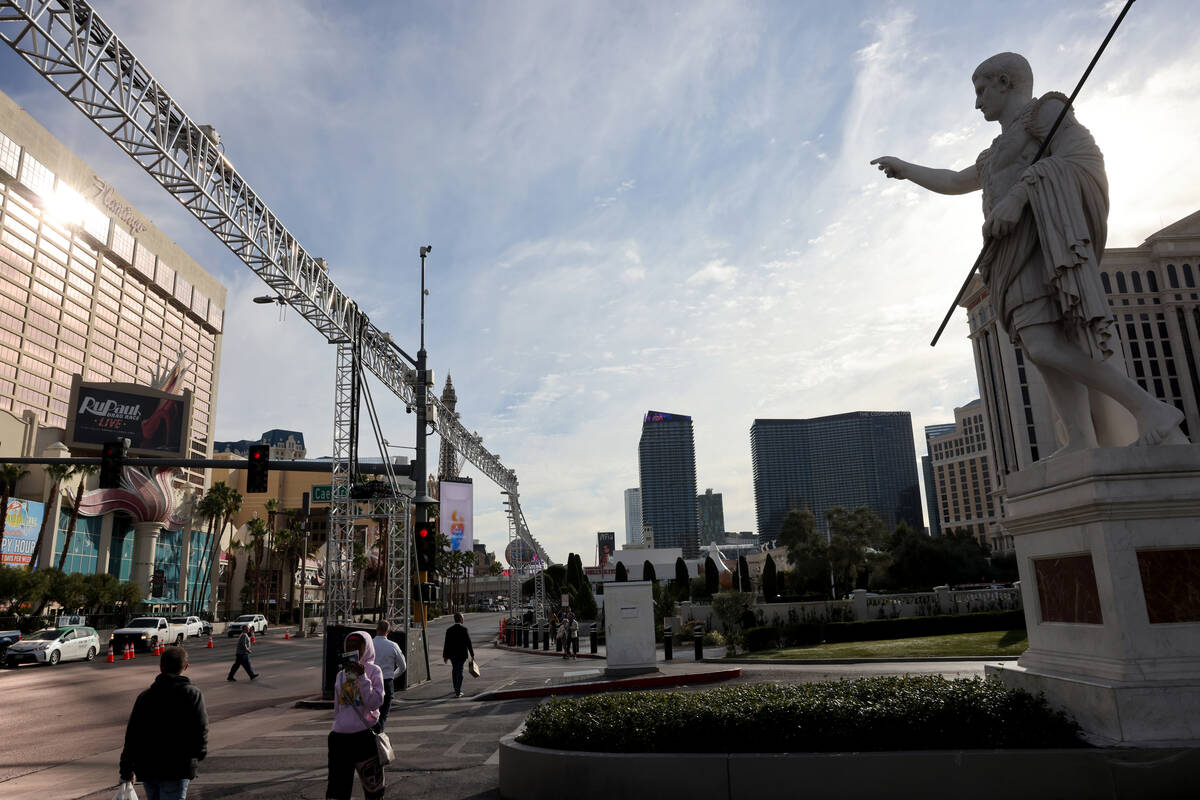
point(104, 551)
point(145, 542)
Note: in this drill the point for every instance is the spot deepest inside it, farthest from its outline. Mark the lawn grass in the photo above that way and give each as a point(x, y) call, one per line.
point(989, 643)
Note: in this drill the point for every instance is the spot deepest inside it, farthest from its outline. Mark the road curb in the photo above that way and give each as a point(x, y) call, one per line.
point(619, 684)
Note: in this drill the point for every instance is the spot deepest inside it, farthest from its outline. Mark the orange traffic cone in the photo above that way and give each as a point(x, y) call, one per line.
point(132, 652)
point(287, 635)
point(125, 652)
point(111, 656)
point(210, 644)
point(252, 639)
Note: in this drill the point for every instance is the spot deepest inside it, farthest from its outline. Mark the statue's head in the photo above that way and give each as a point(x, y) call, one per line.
point(999, 80)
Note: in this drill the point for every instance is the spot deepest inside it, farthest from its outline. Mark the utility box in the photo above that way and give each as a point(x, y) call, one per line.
point(629, 628)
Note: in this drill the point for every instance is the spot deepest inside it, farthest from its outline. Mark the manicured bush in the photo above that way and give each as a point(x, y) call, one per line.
point(926, 712)
point(800, 634)
point(765, 637)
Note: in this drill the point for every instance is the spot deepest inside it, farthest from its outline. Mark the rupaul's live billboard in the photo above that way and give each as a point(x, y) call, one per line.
point(154, 422)
point(456, 508)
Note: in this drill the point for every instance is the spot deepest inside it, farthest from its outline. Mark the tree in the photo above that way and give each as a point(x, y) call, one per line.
point(575, 574)
point(584, 602)
point(743, 568)
point(712, 578)
point(10, 476)
point(258, 531)
point(288, 544)
point(231, 559)
point(82, 472)
point(58, 473)
point(648, 571)
point(622, 573)
point(770, 580)
point(851, 535)
point(495, 568)
point(728, 607)
point(807, 552)
point(683, 581)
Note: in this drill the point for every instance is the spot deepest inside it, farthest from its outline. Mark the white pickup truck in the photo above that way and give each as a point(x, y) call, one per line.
point(193, 625)
point(146, 633)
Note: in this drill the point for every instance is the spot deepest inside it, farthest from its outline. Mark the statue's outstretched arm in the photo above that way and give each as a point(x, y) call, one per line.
point(942, 181)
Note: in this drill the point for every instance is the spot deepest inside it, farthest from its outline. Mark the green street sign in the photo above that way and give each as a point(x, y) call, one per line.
point(322, 493)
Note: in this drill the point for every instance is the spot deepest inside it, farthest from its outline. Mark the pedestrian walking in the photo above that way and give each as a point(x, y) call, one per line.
point(554, 623)
point(390, 660)
point(164, 756)
point(242, 657)
point(357, 696)
point(456, 650)
point(573, 633)
point(564, 636)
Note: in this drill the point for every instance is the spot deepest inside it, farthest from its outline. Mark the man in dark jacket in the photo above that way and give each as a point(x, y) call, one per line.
point(167, 731)
point(456, 649)
point(241, 658)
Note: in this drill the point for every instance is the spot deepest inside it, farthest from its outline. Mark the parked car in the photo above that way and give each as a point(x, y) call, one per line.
point(7, 638)
point(146, 633)
point(52, 645)
point(194, 626)
point(253, 623)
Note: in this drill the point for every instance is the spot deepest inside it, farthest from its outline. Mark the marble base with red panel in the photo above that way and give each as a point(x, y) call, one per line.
point(1108, 547)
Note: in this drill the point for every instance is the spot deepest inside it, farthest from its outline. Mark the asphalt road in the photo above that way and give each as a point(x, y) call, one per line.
point(62, 727)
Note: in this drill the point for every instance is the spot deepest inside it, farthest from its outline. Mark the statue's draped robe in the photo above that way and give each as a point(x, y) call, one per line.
point(1048, 269)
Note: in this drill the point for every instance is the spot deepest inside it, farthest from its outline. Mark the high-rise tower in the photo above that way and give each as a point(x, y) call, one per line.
point(447, 461)
point(667, 464)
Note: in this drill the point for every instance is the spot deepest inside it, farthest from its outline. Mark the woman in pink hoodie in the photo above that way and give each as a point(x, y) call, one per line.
point(357, 696)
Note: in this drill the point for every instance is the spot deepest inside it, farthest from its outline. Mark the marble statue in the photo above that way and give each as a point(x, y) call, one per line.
point(1045, 225)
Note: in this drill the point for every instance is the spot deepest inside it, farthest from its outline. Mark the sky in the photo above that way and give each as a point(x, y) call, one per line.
point(632, 206)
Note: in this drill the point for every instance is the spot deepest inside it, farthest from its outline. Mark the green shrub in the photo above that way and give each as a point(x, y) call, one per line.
point(800, 634)
point(714, 639)
point(765, 637)
point(925, 712)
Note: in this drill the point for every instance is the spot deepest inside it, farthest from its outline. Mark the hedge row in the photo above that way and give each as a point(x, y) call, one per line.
point(799, 634)
point(925, 712)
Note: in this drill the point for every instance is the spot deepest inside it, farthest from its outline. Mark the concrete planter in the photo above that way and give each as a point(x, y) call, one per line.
point(534, 773)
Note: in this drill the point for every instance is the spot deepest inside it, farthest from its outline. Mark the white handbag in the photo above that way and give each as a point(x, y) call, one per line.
point(125, 791)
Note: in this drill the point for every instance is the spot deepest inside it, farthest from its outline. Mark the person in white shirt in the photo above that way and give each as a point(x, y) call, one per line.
point(390, 660)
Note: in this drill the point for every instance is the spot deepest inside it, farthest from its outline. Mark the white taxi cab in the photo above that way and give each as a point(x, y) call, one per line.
point(52, 645)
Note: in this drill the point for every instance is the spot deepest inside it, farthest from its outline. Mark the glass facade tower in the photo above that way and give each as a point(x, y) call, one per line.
point(667, 464)
point(862, 458)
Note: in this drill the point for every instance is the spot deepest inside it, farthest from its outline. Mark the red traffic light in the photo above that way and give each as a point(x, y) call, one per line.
point(256, 455)
point(423, 533)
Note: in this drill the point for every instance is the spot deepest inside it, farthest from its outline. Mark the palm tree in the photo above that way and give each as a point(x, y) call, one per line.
point(208, 508)
point(58, 473)
point(231, 567)
point(287, 544)
point(258, 535)
point(83, 471)
point(10, 476)
point(220, 503)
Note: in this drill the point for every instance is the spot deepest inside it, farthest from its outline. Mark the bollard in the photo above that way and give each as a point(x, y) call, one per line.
point(558, 644)
point(536, 632)
point(546, 640)
point(595, 639)
point(525, 636)
point(510, 635)
point(698, 638)
point(667, 643)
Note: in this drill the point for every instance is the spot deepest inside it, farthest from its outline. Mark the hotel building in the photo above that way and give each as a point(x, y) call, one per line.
point(90, 288)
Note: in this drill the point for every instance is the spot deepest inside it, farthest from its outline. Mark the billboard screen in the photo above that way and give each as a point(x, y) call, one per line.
point(607, 541)
point(155, 423)
point(456, 499)
point(22, 523)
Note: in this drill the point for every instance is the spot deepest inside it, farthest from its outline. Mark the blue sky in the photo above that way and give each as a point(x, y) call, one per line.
point(632, 206)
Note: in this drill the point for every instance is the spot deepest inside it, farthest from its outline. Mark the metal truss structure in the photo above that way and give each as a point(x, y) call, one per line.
point(539, 596)
point(68, 43)
point(339, 548)
point(397, 603)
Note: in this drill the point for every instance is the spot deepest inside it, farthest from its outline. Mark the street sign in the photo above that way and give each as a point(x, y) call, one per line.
point(322, 493)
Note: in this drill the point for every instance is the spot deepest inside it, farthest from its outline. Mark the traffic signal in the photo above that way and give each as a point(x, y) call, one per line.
point(257, 467)
point(112, 460)
point(426, 545)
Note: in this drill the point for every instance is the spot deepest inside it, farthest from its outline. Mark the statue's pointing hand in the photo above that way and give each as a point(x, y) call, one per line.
point(892, 167)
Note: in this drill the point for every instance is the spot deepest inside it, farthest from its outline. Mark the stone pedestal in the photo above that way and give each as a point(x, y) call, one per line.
point(1108, 547)
point(145, 542)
